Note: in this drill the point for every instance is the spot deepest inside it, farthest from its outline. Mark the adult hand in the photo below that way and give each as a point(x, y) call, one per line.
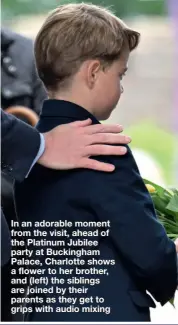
point(70, 146)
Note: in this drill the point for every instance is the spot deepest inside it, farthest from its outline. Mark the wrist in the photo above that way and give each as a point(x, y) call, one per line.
point(43, 159)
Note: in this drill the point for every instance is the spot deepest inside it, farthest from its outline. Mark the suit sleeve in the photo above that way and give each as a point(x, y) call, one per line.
point(20, 144)
point(135, 230)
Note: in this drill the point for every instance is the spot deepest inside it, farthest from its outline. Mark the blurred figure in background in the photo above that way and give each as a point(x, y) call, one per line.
point(20, 83)
point(21, 90)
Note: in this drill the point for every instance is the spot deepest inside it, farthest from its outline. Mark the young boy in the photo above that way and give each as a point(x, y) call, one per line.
point(82, 54)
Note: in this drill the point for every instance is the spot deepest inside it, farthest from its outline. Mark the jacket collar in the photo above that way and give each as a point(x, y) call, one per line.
point(61, 108)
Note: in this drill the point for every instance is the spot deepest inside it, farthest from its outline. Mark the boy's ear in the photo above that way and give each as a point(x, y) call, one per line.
point(94, 67)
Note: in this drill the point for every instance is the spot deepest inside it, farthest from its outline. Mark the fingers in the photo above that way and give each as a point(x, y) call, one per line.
point(104, 128)
point(110, 138)
point(97, 165)
point(81, 123)
point(97, 150)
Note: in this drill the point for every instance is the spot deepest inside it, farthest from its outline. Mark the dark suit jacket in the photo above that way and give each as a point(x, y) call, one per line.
point(145, 257)
point(5, 241)
point(19, 146)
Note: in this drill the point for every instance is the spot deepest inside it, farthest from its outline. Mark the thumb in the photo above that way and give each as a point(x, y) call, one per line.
point(81, 123)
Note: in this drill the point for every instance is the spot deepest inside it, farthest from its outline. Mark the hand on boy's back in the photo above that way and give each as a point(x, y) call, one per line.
point(71, 145)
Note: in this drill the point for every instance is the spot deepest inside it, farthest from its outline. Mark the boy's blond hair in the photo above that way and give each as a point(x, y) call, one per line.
point(74, 33)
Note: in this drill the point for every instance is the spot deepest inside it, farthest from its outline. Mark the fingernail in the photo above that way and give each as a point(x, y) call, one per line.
point(123, 150)
point(128, 139)
point(111, 168)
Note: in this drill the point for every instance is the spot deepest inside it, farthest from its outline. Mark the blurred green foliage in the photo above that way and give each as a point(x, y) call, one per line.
point(160, 144)
point(13, 8)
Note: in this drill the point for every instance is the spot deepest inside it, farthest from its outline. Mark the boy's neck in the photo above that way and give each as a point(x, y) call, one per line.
point(78, 100)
